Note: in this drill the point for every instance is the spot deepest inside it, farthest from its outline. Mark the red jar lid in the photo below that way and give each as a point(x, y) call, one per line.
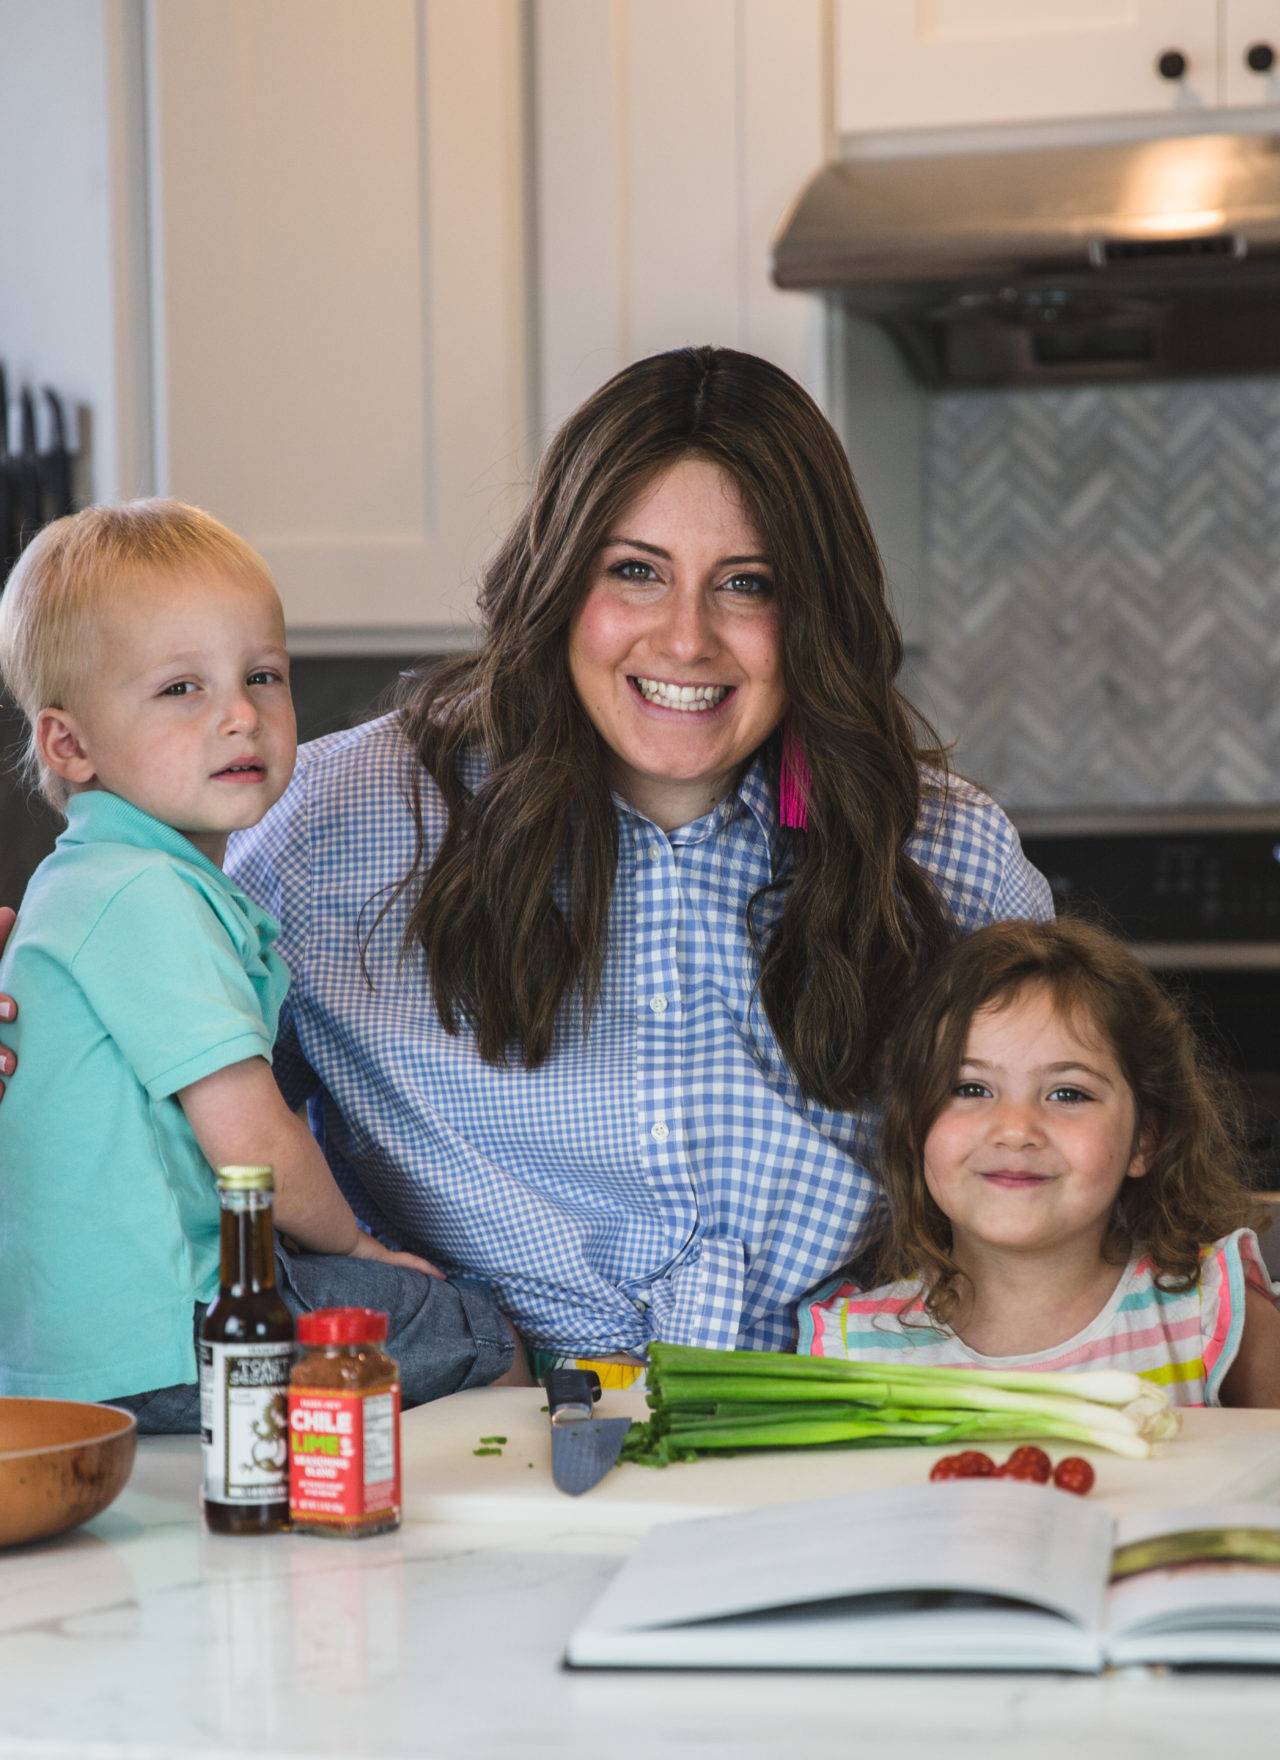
point(342, 1326)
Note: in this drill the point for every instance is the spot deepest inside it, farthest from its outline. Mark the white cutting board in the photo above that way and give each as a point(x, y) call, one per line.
point(1220, 1456)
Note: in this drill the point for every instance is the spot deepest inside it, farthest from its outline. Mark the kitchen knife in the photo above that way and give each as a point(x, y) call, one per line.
point(583, 1447)
point(25, 469)
point(55, 460)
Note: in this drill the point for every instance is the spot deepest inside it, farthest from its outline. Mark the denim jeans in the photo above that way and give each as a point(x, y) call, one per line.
point(443, 1335)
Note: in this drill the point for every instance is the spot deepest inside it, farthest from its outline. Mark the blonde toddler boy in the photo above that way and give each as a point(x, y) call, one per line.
point(145, 645)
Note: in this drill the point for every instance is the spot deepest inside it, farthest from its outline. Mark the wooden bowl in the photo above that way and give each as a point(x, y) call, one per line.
point(61, 1463)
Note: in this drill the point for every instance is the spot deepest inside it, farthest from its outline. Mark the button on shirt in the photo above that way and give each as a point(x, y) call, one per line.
point(660, 1175)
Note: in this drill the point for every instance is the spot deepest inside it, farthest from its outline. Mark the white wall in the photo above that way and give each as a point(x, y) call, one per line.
point(72, 227)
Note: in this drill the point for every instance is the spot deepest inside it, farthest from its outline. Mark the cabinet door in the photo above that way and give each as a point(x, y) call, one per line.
point(1251, 51)
point(338, 245)
point(669, 140)
point(949, 63)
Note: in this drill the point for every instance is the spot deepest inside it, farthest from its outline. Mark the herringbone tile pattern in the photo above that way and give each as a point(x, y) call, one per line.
point(1103, 572)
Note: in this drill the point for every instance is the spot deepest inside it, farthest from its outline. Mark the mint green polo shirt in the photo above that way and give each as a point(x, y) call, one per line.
point(139, 968)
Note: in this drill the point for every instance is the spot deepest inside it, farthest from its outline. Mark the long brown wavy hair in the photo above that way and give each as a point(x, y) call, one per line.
point(512, 908)
point(1195, 1188)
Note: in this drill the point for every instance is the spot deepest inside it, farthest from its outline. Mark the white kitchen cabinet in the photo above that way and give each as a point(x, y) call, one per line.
point(1250, 51)
point(971, 63)
point(669, 139)
point(276, 252)
point(338, 270)
point(385, 277)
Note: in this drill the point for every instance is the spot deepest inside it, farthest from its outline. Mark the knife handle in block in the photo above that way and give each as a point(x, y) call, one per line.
point(571, 1387)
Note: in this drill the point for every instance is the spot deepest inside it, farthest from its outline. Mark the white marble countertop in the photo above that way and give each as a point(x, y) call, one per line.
point(141, 1637)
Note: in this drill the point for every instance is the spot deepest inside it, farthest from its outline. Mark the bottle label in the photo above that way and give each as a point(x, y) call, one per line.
point(244, 1390)
point(344, 1454)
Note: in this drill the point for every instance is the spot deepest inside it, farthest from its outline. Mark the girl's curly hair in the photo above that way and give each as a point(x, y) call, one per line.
point(1196, 1187)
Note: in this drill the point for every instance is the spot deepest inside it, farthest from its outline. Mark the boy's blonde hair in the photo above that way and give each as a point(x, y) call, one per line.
point(67, 579)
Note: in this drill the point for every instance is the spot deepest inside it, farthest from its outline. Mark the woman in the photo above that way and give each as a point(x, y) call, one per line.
point(577, 1011)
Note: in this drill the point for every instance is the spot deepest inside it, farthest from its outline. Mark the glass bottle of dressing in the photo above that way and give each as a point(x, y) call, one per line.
point(246, 1351)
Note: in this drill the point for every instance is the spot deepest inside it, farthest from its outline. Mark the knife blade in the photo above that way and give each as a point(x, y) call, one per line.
point(25, 474)
point(583, 1447)
point(55, 459)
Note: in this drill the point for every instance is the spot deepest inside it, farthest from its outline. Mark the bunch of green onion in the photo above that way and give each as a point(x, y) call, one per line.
point(707, 1401)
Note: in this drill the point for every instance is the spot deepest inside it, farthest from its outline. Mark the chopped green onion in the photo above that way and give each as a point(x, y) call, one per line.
point(707, 1401)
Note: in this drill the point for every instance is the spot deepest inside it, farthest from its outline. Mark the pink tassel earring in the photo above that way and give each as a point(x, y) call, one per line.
point(794, 782)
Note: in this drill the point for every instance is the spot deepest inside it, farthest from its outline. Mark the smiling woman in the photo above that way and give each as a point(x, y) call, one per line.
point(674, 649)
point(694, 525)
point(575, 1007)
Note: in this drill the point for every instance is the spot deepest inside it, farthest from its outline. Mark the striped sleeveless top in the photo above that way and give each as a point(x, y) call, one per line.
point(1185, 1341)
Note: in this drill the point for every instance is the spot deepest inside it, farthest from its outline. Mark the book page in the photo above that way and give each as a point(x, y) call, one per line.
point(989, 1537)
point(1208, 1567)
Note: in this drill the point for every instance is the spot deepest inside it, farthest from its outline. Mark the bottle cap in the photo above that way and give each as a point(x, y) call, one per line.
point(342, 1326)
point(245, 1179)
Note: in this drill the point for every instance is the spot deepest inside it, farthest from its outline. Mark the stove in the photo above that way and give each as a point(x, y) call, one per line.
point(1196, 893)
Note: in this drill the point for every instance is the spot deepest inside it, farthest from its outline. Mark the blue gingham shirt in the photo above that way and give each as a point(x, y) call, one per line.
point(661, 1175)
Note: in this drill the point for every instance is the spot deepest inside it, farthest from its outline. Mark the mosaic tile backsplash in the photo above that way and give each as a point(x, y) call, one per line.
point(1103, 592)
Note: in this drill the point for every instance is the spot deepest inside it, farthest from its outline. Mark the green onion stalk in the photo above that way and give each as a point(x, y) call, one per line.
point(705, 1401)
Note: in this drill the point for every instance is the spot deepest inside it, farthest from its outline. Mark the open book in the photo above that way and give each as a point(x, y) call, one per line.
point(989, 1574)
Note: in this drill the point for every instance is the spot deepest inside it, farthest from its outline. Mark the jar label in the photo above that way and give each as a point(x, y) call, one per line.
point(243, 1421)
point(344, 1454)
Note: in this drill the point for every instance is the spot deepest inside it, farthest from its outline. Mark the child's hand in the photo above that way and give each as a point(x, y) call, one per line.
point(367, 1247)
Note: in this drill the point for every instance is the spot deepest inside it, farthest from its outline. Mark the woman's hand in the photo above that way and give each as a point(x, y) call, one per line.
point(367, 1247)
point(8, 1007)
point(518, 1375)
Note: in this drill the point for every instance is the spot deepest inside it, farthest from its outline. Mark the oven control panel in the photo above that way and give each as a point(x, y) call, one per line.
point(1170, 888)
point(1200, 903)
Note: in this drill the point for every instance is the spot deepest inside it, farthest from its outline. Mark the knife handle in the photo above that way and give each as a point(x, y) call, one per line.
point(571, 1387)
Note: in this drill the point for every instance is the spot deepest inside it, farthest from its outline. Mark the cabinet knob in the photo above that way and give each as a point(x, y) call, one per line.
point(1172, 64)
point(1260, 57)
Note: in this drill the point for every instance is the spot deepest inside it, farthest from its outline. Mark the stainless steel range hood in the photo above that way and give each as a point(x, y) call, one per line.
point(1055, 265)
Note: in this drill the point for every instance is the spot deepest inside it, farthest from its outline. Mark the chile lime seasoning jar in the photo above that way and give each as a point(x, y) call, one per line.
point(344, 1426)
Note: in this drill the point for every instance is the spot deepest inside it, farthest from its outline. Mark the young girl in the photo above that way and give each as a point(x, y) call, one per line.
point(1063, 1183)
